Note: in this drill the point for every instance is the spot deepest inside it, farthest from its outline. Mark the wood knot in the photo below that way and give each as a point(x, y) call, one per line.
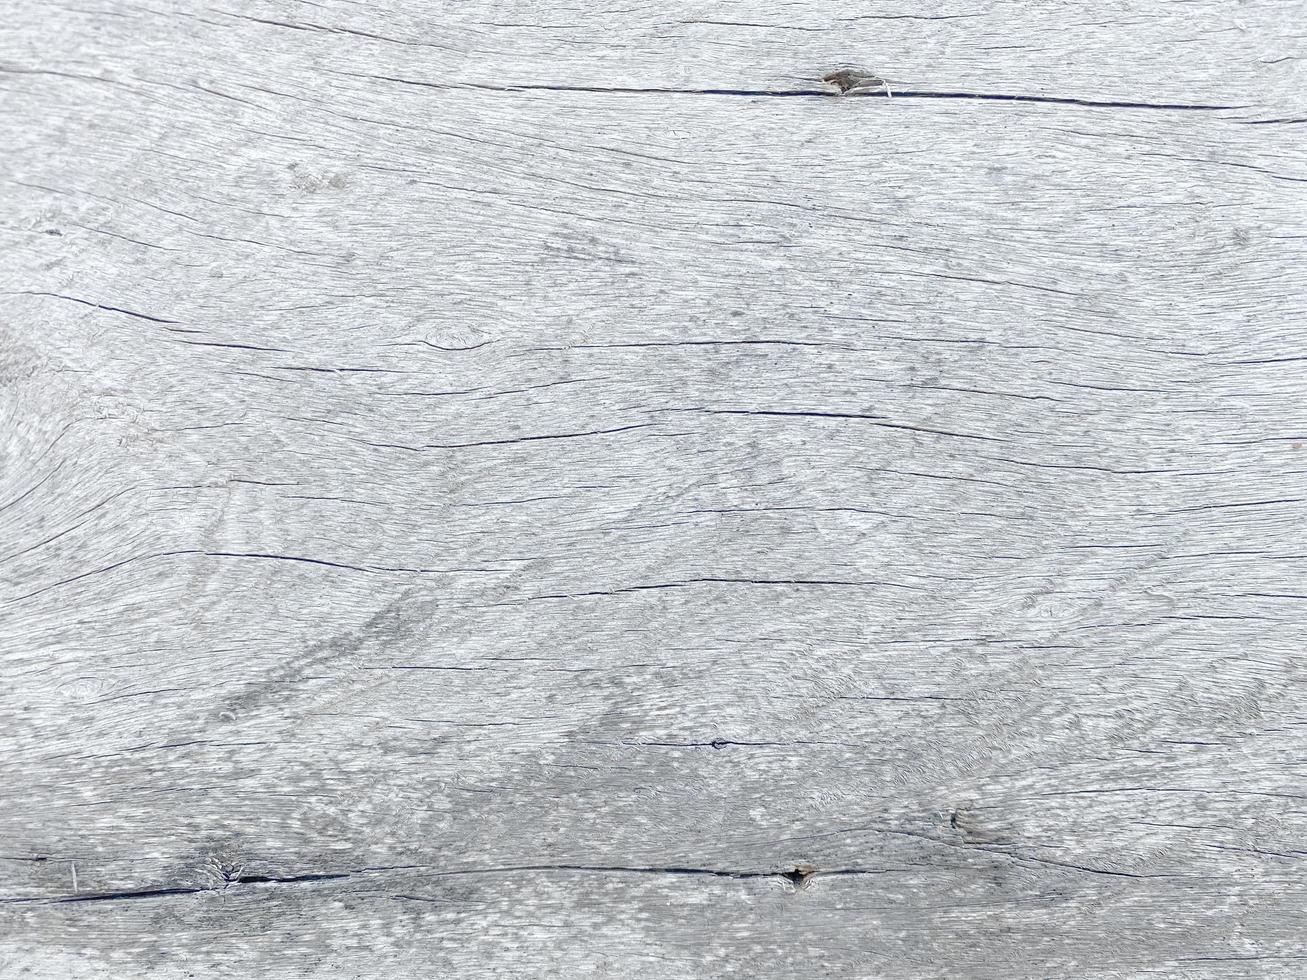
point(853, 79)
point(799, 876)
point(963, 822)
point(221, 874)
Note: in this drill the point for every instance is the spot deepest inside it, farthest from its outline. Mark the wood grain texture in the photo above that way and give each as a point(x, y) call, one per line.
point(517, 490)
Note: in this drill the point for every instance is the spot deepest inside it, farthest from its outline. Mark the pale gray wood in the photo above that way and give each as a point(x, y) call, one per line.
point(507, 489)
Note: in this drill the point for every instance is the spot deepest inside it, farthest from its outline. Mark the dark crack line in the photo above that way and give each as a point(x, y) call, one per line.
point(877, 420)
point(807, 93)
point(1055, 100)
point(144, 893)
point(689, 583)
point(613, 869)
point(509, 442)
point(128, 896)
point(798, 877)
point(244, 879)
point(101, 306)
point(720, 743)
point(316, 561)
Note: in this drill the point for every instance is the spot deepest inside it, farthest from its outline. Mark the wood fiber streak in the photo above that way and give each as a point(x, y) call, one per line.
point(518, 490)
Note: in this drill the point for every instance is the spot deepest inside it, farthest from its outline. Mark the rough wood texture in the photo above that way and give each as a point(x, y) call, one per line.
point(519, 490)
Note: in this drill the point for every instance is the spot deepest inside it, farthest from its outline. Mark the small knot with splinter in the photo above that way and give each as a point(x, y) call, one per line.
point(799, 876)
point(855, 80)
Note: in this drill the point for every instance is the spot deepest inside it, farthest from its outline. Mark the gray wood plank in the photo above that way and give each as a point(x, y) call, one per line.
point(516, 490)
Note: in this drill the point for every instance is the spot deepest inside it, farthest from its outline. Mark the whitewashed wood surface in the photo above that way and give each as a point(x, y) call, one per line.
point(502, 489)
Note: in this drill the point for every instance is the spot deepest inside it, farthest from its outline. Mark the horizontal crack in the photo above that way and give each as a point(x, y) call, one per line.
point(143, 893)
point(807, 93)
point(290, 880)
point(121, 896)
point(798, 877)
point(1054, 100)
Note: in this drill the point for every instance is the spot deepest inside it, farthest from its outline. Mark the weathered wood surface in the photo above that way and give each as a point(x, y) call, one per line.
point(499, 489)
